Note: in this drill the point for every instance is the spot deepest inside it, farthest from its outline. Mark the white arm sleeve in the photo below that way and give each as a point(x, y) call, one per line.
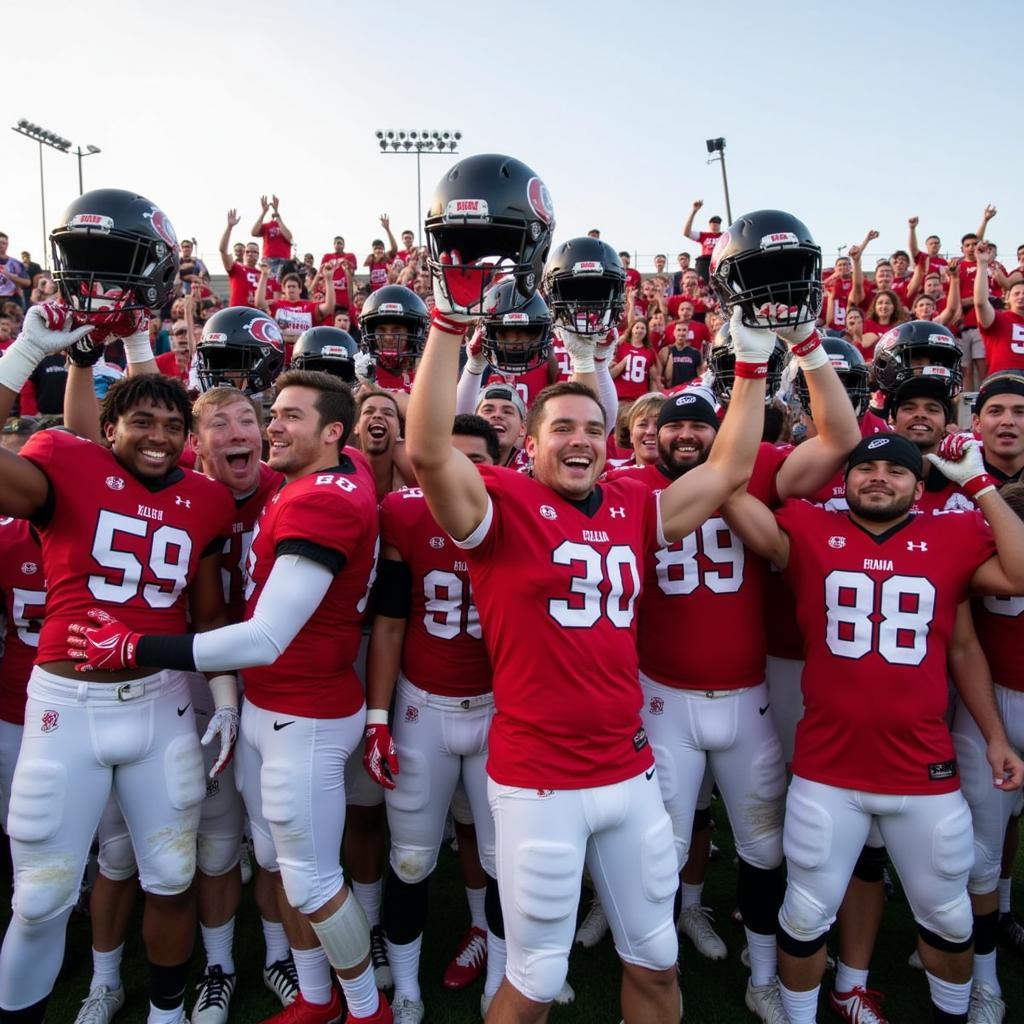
point(292, 593)
point(607, 395)
point(468, 392)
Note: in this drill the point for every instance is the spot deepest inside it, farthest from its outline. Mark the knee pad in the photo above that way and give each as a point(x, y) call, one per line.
point(183, 772)
point(308, 885)
point(658, 951)
point(547, 883)
point(803, 917)
point(953, 843)
point(38, 793)
point(542, 977)
point(412, 864)
point(169, 863)
point(951, 924)
point(870, 866)
point(807, 833)
point(759, 894)
point(45, 885)
point(117, 857)
point(659, 862)
point(216, 855)
point(404, 913)
point(798, 947)
point(345, 935)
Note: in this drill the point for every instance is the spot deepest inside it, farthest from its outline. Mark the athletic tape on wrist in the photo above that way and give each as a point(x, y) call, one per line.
point(808, 345)
point(137, 349)
point(447, 325)
point(751, 371)
point(376, 716)
point(978, 485)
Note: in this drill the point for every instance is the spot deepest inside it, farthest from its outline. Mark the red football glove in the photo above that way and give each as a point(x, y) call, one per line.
point(379, 756)
point(107, 644)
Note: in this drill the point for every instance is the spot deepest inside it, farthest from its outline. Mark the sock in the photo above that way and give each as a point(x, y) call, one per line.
point(691, 894)
point(800, 1007)
point(314, 975)
point(849, 978)
point(949, 997)
point(106, 968)
point(369, 899)
point(158, 1016)
point(1004, 895)
point(985, 971)
point(361, 994)
point(276, 942)
point(217, 943)
point(476, 899)
point(405, 967)
point(763, 957)
point(496, 956)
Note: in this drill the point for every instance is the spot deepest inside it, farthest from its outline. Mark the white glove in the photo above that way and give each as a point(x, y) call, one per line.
point(750, 344)
point(224, 724)
point(475, 361)
point(580, 348)
point(45, 332)
point(959, 460)
point(606, 345)
point(364, 367)
point(794, 335)
point(805, 344)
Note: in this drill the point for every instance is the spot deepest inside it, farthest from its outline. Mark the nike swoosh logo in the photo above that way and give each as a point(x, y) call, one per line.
point(649, 775)
point(182, 711)
point(761, 711)
point(278, 726)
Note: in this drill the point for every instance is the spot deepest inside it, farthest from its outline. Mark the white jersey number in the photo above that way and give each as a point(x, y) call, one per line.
point(906, 605)
point(169, 552)
point(27, 613)
point(585, 608)
point(1011, 607)
point(677, 568)
point(449, 606)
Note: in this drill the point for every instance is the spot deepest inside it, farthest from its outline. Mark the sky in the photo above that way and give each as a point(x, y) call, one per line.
point(851, 116)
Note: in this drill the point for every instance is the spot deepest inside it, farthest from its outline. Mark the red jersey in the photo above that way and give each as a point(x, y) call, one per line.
point(707, 240)
point(634, 380)
point(561, 357)
point(556, 583)
point(997, 621)
point(331, 517)
point(705, 583)
point(294, 316)
point(378, 275)
point(529, 384)
point(936, 264)
point(23, 591)
point(840, 289)
point(242, 282)
point(388, 381)
point(633, 278)
point(275, 245)
point(443, 651)
point(236, 548)
point(341, 296)
point(167, 364)
point(877, 614)
point(1004, 342)
point(941, 494)
point(128, 546)
point(968, 271)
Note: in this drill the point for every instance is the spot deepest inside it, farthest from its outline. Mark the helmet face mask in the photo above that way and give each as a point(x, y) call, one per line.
point(852, 371)
point(328, 349)
point(516, 339)
point(769, 266)
point(722, 363)
point(921, 351)
point(585, 284)
point(491, 218)
point(240, 347)
point(394, 322)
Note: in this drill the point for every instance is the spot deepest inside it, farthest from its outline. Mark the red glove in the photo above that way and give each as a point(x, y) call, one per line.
point(379, 757)
point(107, 644)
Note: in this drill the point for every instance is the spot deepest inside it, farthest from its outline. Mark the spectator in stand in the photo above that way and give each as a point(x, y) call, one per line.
point(932, 244)
point(293, 313)
point(238, 251)
point(243, 275)
point(191, 269)
point(931, 304)
point(676, 284)
point(341, 293)
point(31, 269)
point(706, 239)
point(639, 434)
point(43, 392)
point(277, 238)
point(593, 233)
point(408, 246)
point(900, 261)
point(634, 364)
point(971, 344)
point(1002, 330)
point(633, 277)
point(343, 321)
point(17, 430)
point(13, 276)
point(656, 324)
point(691, 292)
point(659, 263)
point(853, 329)
point(176, 363)
point(697, 334)
point(6, 331)
point(380, 258)
point(44, 289)
point(884, 313)
point(681, 361)
point(1018, 271)
point(838, 286)
point(318, 293)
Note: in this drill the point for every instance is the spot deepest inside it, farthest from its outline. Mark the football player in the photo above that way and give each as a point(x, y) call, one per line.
point(887, 676)
point(307, 578)
point(570, 769)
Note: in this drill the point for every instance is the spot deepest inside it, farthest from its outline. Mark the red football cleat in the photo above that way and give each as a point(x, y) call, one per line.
point(469, 961)
point(301, 1012)
point(858, 1006)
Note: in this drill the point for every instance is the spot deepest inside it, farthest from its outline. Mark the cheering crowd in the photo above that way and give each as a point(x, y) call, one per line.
point(513, 535)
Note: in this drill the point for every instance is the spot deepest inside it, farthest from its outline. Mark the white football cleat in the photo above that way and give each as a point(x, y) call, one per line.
point(695, 923)
point(594, 926)
point(100, 1005)
point(986, 1007)
point(407, 1011)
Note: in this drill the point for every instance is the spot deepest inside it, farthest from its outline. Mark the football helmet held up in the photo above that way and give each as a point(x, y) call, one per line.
point(920, 351)
point(240, 347)
point(585, 284)
point(517, 336)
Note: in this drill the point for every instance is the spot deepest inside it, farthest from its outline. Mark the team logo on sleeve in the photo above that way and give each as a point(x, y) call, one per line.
point(49, 721)
point(28, 568)
point(548, 512)
point(837, 542)
point(115, 483)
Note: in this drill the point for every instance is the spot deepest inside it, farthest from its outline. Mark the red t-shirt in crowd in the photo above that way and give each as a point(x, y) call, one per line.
point(634, 379)
point(936, 264)
point(341, 296)
point(1004, 342)
point(331, 517)
point(242, 282)
point(675, 301)
point(275, 245)
point(167, 364)
point(968, 271)
point(23, 593)
point(443, 651)
point(877, 615)
point(633, 278)
point(556, 584)
point(300, 316)
point(696, 334)
point(707, 240)
point(840, 288)
point(378, 275)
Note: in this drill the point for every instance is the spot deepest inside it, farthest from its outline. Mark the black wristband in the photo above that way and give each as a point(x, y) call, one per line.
point(175, 652)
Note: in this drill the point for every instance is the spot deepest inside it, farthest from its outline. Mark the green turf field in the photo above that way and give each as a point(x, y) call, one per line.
point(713, 992)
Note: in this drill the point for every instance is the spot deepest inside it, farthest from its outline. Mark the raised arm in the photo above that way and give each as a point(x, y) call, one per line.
point(257, 227)
point(912, 245)
point(385, 223)
point(753, 522)
point(326, 309)
point(688, 226)
point(982, 303)
point(261, 287)
point(285, 230)
point(986, 215)
point(225, 240)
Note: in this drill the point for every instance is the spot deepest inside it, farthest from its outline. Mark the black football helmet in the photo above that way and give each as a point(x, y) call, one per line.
point(768, 264)
point(114, 244)
point(517, 337)
point(326, 348)
point(491, 217)
point(240, 347)
point(394, 321)
point(585, 283)
point(921, 351)
point(852, 370)
point(722, 364)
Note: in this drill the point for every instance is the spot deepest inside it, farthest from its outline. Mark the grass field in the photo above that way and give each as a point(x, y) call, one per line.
point(713, 992)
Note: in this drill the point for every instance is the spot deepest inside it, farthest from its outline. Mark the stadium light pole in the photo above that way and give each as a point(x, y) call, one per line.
point(718, 146)
point(54, 141)
point(80, 153)
point(440, 141)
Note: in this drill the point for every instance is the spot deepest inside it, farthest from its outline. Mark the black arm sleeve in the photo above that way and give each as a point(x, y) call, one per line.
point(175, 652)
point(392, 590)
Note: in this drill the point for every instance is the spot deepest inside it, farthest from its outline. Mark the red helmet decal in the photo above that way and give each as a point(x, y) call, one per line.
point(720, 246)
point(540, 200)
point(264, 329)
point(162, 226)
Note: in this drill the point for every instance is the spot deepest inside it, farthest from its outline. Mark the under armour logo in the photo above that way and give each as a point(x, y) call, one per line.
point(617, 513)
point(179, 500)
point(922, 546)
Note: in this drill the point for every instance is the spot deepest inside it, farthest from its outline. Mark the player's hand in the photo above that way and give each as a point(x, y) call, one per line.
point(224, 725)
point(795, 336)
point(379, 756)
point(104, 644)
point(364, 367)
point(959, 460)
point(606, 345)
point(1007, 767)
point(457, 290)
point(47, 329)
point(476, 363)
point(750, 344)
point(581, 348)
